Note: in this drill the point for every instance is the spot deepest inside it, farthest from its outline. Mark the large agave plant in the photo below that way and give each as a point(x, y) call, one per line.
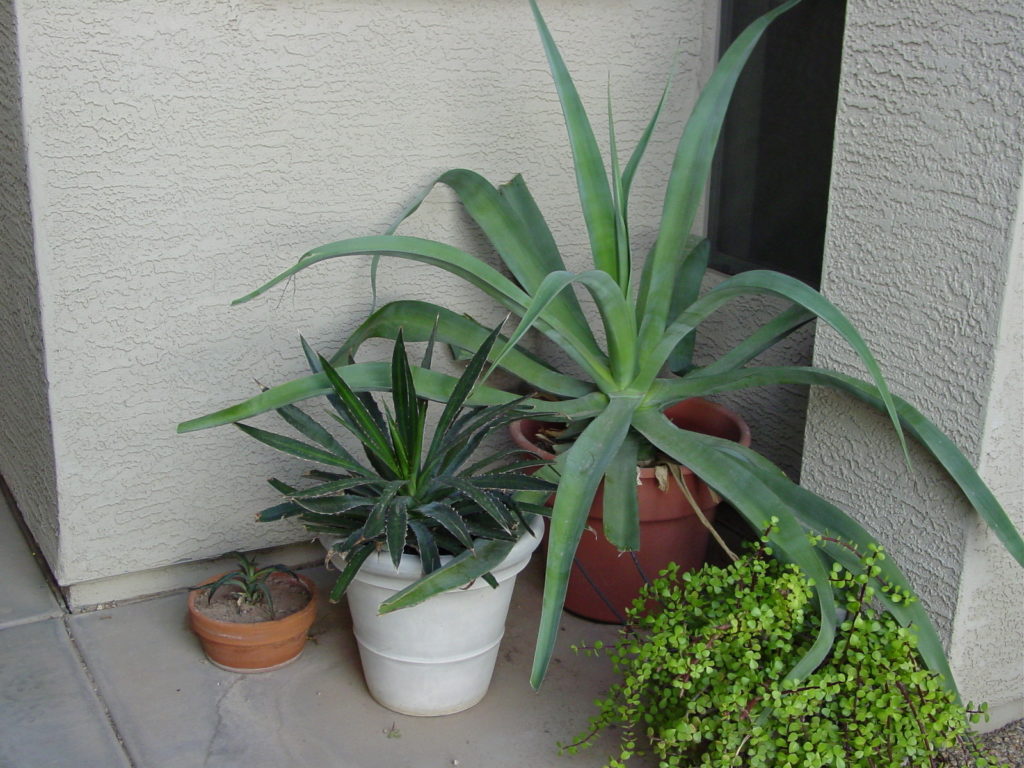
point(645, 365)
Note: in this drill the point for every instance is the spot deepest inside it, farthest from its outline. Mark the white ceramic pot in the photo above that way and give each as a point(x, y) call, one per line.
point(435, 658)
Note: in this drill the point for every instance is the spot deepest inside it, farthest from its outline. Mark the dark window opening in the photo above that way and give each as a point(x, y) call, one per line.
point(769, 188)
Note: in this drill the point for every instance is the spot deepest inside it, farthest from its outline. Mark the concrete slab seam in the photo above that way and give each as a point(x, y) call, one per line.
point(65, 621)
point(30, 620)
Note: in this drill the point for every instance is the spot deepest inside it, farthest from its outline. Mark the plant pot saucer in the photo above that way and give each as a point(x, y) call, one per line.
point(245, 671)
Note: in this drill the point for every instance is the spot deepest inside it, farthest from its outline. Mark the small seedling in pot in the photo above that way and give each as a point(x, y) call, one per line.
point(250, 580)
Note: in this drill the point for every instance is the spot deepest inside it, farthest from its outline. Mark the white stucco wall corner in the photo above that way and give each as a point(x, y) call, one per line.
point(922, 239)
point(987, 646)
point(26, 439)
point(986, 652)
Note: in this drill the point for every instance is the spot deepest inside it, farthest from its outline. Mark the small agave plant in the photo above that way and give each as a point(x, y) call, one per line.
point(251, 581)
point(651, 310)
point(416, 491)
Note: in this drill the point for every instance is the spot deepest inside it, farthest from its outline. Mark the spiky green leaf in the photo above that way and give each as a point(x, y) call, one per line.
point(353, 562)
point(458, 571)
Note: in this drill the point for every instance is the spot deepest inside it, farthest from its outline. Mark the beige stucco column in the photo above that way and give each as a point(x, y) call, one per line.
point(924, 253)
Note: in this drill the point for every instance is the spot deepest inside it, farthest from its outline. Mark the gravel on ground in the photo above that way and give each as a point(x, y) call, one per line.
point(1006, 744)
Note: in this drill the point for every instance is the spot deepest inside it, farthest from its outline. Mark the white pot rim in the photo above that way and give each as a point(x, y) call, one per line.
point(410, 568)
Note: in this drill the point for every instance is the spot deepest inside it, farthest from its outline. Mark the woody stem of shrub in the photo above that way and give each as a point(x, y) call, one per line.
point(676, 473)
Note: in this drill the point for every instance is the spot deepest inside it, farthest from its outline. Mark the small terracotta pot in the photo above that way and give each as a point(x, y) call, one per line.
point(257, 647)
point(604, 582)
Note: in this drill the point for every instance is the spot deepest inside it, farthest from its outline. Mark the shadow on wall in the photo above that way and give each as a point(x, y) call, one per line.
point(26, 439)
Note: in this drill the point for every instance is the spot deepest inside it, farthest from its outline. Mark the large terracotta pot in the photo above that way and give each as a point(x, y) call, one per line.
point(257, 647)
point(604, 581)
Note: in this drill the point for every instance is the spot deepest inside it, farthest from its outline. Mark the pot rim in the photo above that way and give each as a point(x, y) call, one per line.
point(409, 567)
point(298, 618)
point(646, 473)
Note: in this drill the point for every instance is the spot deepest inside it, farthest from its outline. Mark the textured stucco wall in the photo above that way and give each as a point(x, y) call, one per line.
point(179, 153)
point(926, 175)
point(26, 446)
point(987, 647)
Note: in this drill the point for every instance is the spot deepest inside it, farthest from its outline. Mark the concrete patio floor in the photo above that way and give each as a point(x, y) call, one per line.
point(129, 686)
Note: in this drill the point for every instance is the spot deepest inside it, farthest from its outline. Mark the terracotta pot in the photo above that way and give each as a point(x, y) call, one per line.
point(604, 581)
point(257, 647)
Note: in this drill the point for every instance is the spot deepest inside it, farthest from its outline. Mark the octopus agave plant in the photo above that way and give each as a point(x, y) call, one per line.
point(649, 324)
